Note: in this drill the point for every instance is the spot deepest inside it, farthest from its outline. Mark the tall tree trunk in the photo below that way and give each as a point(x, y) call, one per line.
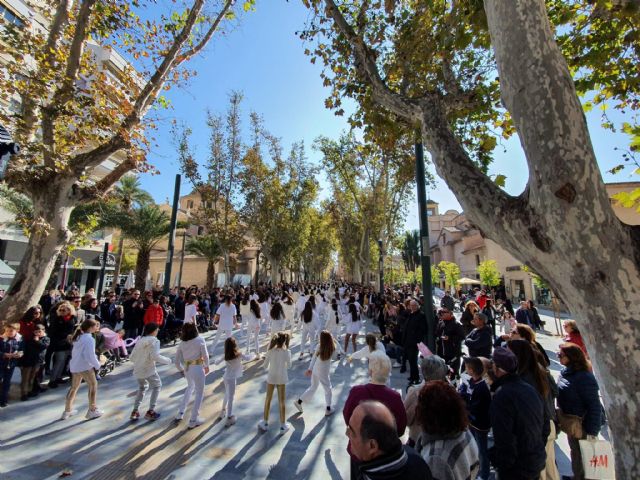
point(227, 268)
point(52, 206)
point(116, 271)
point(275, 270)
point(211, 271)
point(142, 267)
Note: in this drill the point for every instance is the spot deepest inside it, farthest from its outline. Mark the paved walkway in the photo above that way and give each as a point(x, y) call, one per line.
point(35, 444)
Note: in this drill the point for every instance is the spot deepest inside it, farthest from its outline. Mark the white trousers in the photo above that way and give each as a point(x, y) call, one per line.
point(316, 381)
point(253, 340)
point(308, 336)
point(195, 385)
point(221, 331)
point(229, 393)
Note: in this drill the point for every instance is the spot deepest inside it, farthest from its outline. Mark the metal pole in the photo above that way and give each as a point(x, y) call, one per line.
point(105, 255)
point(172, 236)
point(425, 259)
point(63, 283)
point(184, 240)
point(257, 268)
point(381, 267)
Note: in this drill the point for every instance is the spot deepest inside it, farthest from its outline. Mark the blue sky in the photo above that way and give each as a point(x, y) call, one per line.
point(263, 58)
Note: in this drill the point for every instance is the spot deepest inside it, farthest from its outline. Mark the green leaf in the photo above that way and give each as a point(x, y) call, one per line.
point(500, 180)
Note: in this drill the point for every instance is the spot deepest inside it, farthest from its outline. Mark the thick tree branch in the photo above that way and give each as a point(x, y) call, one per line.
point(366, 67)
point(205, 39)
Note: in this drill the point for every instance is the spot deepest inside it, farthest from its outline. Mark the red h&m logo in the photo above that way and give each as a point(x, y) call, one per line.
point(599, 461)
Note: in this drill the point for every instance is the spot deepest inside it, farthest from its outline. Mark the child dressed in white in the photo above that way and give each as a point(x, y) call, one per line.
point(332, 325)
point(233, 371)
point(245, 306)
point(253, 321)
point(372, 345)
point(144, 357)
point(307, 343)
point(289, 308)
point(277, 362)
point(192, 360)
point(277, 318)
point(226, 318)
point(319, 370)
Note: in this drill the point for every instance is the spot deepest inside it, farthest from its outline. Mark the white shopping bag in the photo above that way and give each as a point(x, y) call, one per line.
point(597, 460)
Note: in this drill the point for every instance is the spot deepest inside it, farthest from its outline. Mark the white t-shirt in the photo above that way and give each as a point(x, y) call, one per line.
point(190, 313)
point(226, 313)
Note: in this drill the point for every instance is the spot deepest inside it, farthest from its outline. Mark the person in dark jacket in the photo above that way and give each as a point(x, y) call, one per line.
point(470, 309)
point(523, 315)
point(517, 421)
point(11, 350)
point(32, 361)
point(108, 310)
point(414, 332)
point(480, 340)
point(477, 396)
point(373, 434)
point(449, 337)
point(578, 396)
point(133, 315)
point(447, 302)
point(62, 326)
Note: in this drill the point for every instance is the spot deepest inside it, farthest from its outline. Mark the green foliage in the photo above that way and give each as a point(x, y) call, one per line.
point(489, 274)
point(537, 279)
point(435, 274)
point(144, 226)
point(628, 199)
point(451, 273)
point(411, 250)
point(205, 246)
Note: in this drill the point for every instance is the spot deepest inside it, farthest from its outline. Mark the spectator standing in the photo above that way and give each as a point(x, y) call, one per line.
point(480, 340)
point(414, 332)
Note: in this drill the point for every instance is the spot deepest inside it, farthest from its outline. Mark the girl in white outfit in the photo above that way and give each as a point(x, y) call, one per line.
point(144, 357)
point(308, 329)
point(253, 328)
point(289, 308)
point(277, 318)
point(192, 360)
point(245, 306)
point(372, 345)
point(277, 362)
point(319, 371)
point(233, 371)
point(83, 366)
point(332, 325)
point(226, 318)
point(353, 327)
point(191, 309)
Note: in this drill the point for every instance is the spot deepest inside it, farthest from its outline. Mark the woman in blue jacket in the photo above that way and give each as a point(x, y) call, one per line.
point(578, 397)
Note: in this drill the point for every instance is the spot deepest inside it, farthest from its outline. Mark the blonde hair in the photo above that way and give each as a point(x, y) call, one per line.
point(379, 366)
point(66, 304)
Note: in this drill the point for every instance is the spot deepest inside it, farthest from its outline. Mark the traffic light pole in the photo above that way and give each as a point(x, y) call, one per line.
point(425, 259)
point(172, 237)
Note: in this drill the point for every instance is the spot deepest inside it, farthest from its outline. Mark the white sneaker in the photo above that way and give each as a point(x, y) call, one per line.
point(179, 416)
point(195, 423)
point(284, 427)
point(396, 365)
point(329, 411)
point(66, 415)
point(257, 357)
point(298, 405)
point(231, 420)
point(263, 425)
point(96, 413)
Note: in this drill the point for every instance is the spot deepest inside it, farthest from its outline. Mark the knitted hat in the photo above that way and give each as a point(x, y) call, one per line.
point(505, 359)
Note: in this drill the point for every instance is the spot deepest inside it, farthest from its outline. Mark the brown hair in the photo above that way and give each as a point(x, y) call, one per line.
point(370, 339)
point(327, 345)
point(440, 410)
point(83, 328)
point(528, 363)
point(577, 359)
point(189, 332)
point(231, 349)
point(572, 324)
point(526, 332)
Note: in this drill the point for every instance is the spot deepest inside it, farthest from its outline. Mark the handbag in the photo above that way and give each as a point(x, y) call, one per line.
point(597, 459)
point(570, 424)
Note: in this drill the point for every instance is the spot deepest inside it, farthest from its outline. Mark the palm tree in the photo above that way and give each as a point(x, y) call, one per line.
point(145, 226)
point(127, 194)
point(206, 246)
point(411, 250)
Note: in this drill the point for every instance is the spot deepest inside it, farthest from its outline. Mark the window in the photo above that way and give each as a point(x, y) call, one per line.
point(477, 261)
point(189, 204)
point(10, 17)
point(200, 230)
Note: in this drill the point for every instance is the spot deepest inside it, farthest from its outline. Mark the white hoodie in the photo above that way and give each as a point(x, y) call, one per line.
point(145, 355)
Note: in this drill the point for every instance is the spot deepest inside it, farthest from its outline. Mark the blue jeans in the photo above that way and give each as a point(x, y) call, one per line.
point(481, 441)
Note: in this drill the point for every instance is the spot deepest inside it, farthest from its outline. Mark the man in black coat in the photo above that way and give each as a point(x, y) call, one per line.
point(449, 337)
point(447, 302)
point(133, 315)
point(415, 331)
point(480, 340)
point(517, 420)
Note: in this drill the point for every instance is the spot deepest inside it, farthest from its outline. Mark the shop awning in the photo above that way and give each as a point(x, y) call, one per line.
point(466, 281)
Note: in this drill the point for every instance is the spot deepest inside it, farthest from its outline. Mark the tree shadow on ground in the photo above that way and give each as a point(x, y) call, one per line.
point(331, 466)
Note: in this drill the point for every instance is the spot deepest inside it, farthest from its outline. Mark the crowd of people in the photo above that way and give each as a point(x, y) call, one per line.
point(495, 407)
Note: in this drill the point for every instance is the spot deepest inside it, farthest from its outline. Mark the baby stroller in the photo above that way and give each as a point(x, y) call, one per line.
point(113, 351)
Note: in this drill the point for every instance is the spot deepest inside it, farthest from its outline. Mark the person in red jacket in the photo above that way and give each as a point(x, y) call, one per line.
point(154, 313)
point(28, 322)
point(574, 336)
